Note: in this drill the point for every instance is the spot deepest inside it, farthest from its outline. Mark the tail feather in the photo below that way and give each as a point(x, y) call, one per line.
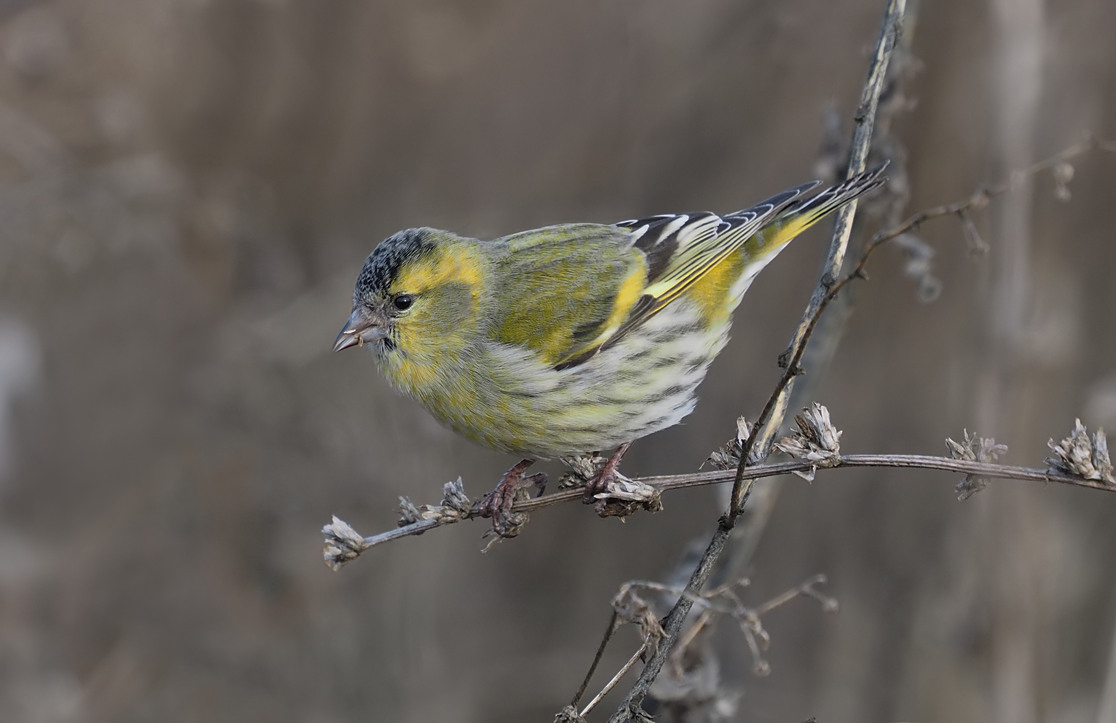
point(800, 216)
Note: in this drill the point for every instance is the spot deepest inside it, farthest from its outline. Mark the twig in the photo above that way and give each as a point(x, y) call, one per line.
point(890, 204)
point(775, 410)
point(809, 589)
point(771, 418)
point(1107, 707)
point(961, 209)
point(613, 624)
point(615, 679)
point(708, 600)
point(665, 483)
point(721, 601)
point(982, 196)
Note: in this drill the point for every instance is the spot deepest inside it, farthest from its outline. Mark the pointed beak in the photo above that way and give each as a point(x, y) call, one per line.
point(360, 328)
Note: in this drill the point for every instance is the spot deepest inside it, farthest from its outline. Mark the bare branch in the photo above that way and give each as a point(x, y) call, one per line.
point(343, 544)
point(771, 417)
point(613, 624)
point(632, 607)
point(615, 679)
point(980, 198)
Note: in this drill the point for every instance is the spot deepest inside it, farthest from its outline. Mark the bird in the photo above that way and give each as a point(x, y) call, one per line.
point(569, 339)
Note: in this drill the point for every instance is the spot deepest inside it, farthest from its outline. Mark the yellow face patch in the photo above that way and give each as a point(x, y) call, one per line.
point(447, 283)
point(443, 265)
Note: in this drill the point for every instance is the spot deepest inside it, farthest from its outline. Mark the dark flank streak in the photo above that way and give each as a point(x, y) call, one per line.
point(666, 361)
point(674, 391)
point(632, 408)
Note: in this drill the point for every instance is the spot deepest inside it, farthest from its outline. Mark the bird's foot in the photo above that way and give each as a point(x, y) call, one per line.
point(608, 474)
point(513, 486)
point(611, 493)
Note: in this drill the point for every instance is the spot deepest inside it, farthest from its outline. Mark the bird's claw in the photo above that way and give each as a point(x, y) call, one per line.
point(607, 475)
point(497, 504)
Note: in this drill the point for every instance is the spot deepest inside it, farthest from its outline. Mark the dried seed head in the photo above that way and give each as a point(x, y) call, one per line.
point(342, 543)
point(728, 456)
point(582, 469)
point(816, 442)
point(455, 505)
point(454, 497)
point(408, 512)
point(623, 496)
point(1081, 456)
point(630, 607)
point(974, 449)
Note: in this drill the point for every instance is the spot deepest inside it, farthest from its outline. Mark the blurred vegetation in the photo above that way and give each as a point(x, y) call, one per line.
point(188, 188)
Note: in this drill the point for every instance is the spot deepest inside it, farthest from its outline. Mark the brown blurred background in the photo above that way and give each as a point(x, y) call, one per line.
point(188, 189)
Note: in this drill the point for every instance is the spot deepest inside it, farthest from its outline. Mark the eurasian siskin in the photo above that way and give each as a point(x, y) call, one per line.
point(572, 338)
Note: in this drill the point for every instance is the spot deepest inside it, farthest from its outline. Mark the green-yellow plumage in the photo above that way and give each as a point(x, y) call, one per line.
point(572, 338)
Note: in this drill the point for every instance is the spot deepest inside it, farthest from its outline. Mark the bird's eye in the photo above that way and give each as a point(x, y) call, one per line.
point(403, 301)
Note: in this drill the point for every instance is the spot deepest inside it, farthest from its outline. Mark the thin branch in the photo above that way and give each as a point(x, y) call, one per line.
point(889, 205)
point(982, 196)
point(664, 483)
point(723, 601)
point(960, 209)
point(771, 418)
point(1107, 707)
point(615, 679)
point(613, 624)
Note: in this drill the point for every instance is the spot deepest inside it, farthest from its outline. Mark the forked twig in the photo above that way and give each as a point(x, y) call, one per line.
point(722, 601)
point(771, 417)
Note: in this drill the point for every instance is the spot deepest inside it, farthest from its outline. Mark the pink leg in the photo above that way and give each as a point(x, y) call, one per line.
point(607, 474)
point(497, 504)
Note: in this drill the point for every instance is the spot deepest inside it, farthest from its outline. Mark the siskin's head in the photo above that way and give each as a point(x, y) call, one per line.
point(417, 295)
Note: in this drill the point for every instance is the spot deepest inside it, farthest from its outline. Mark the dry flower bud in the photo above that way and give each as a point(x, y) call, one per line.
point(408, 512)
point(632, 608)
point(630, 490)
point(455, 506)
point(974, 449)
point(582, 469)
point(1080, 456)
point(342, 543)
point(454, 497)
point(728, 456)
point(816, 442)
point(624, 496)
